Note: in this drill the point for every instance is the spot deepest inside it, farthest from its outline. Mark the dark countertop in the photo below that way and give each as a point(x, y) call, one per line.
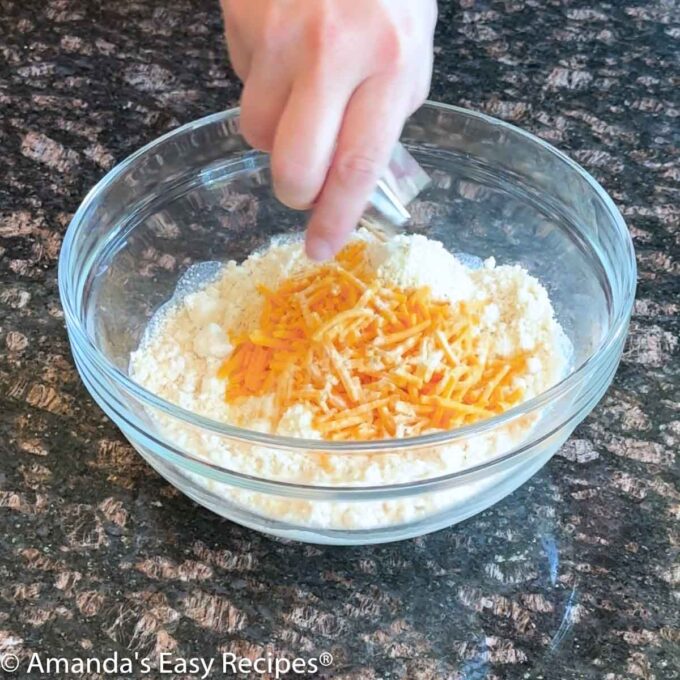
point(576, 575)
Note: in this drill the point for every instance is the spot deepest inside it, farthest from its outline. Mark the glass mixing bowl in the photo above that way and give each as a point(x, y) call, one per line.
point(200, 195)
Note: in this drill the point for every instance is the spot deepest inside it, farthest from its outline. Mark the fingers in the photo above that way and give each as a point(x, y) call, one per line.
point(240, 61)
point(372, 124)
point(262, 103)
point(238, 54)
point(305, 140)
point(423, 81)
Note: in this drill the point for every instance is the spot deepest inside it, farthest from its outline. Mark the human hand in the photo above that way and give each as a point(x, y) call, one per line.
point(328, 85)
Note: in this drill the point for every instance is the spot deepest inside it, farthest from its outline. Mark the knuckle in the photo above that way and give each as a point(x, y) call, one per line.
point(322, 30)
point(393, 48)
point(256, 132)
point(239, 66)
point(357, 169)
point(324, 228)
point(291, 184)
point(257, 137)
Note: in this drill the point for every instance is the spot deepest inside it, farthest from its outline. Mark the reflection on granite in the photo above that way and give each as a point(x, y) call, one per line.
point(571, 577)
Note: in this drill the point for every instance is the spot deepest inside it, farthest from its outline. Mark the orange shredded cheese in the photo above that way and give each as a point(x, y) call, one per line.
point(370, 360)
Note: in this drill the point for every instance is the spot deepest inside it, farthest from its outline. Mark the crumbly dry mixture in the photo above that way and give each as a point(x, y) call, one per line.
point(184, 354)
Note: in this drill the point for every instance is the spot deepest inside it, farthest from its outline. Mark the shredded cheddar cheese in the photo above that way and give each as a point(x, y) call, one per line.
point(406, 385)
point(370, 360)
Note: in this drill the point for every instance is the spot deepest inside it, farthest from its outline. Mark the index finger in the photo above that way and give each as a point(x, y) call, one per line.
point(371, 127)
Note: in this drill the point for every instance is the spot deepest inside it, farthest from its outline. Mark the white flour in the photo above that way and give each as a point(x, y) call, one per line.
point(181, 355)
point(412, 261)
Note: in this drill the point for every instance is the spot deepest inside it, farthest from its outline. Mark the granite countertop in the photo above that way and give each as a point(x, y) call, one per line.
point(574, 576)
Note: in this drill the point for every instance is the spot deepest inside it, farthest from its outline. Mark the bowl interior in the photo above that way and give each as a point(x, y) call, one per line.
point(201, 195)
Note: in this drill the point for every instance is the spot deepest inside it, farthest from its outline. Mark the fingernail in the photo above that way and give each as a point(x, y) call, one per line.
point(319, 249)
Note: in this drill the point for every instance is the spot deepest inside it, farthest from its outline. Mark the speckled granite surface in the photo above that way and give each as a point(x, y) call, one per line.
point(575, 576)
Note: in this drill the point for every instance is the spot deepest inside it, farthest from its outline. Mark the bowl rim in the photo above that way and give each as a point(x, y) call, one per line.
point(617, 327)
